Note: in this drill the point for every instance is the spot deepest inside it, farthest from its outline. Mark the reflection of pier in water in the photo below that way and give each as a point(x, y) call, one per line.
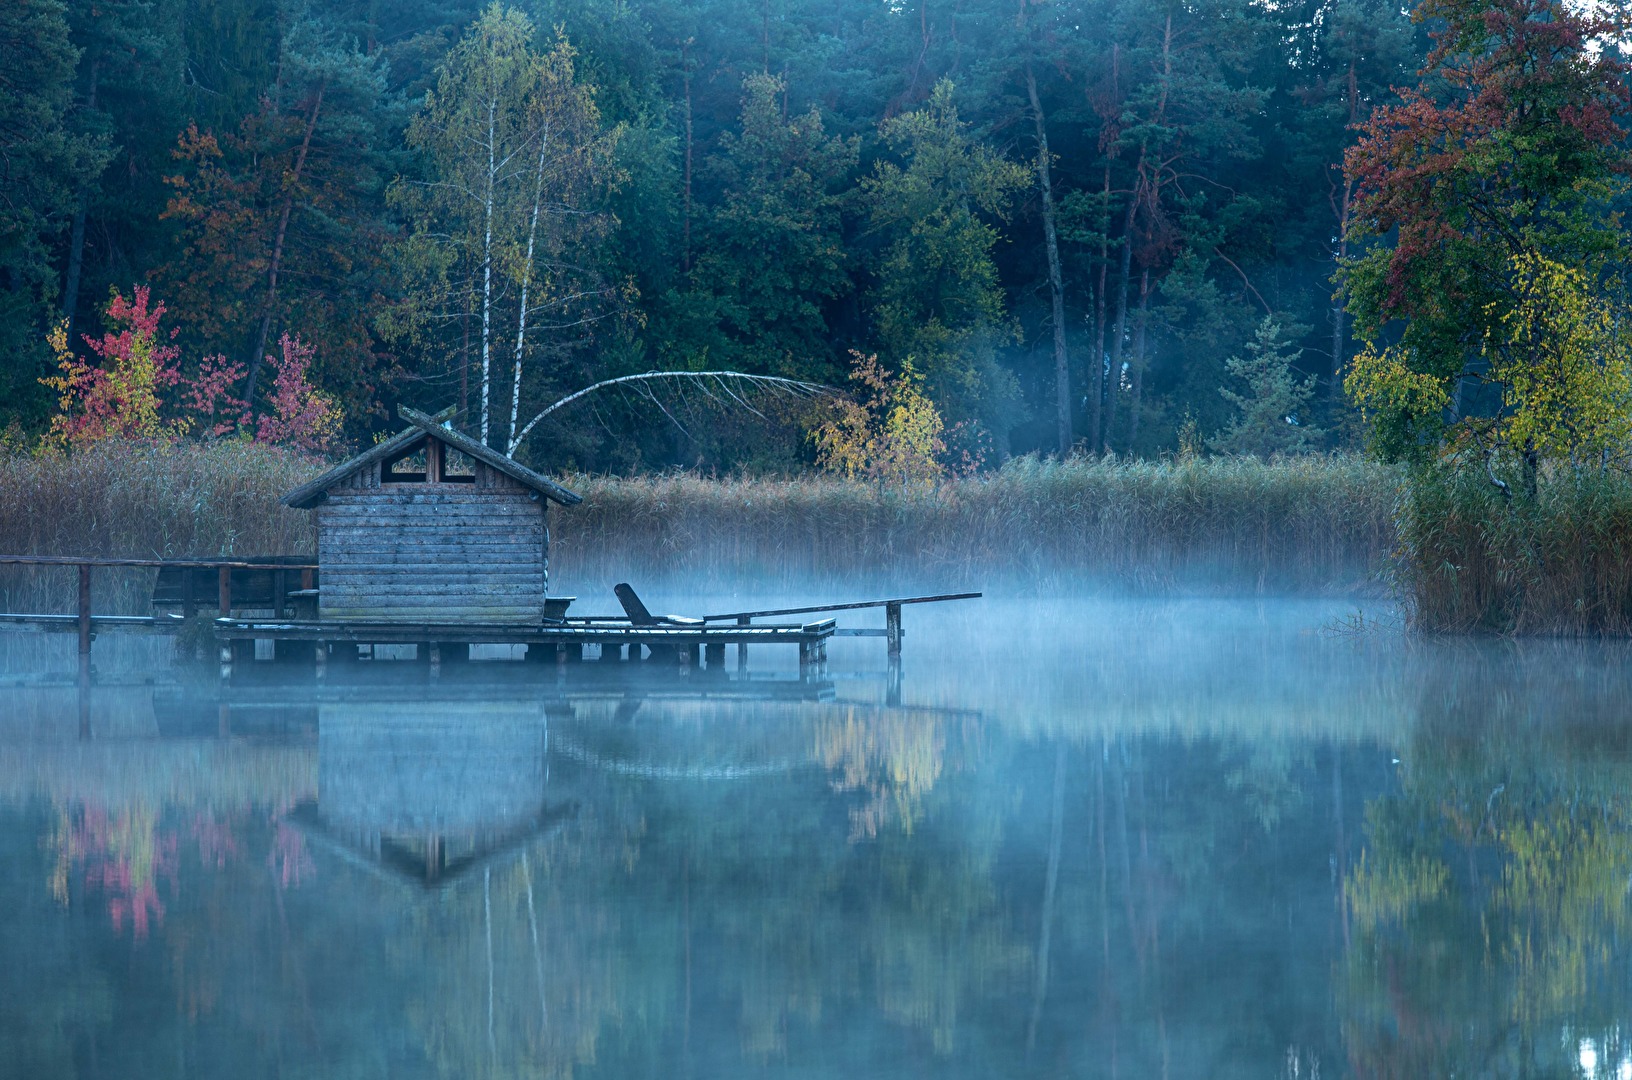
point(428, 793)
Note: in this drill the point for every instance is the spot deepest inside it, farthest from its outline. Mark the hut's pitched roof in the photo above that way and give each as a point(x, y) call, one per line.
point(311, 493)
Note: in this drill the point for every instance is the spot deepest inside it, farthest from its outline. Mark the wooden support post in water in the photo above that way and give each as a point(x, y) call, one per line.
point(892, 630)
point(280, 592)
point(433, 658)
point(716, 657)
point(84, 624)
point(742, 646)
point(223, 590)
point(320, 658)
point(189, 599)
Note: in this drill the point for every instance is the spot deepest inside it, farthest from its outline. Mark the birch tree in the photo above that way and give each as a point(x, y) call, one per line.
point(514, 150)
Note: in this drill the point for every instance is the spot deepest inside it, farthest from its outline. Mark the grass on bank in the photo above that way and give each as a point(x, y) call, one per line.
point(1308, 524)
point(1559, 562)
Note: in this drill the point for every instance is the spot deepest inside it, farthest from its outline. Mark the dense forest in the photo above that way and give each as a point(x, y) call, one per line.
point(1067, 224)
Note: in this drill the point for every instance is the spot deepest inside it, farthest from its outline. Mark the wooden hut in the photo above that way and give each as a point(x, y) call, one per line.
point(430, 526)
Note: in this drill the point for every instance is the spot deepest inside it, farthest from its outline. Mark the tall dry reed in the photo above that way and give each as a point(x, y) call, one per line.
point(143, 500)
point(1217, 525)
point(1558, 563)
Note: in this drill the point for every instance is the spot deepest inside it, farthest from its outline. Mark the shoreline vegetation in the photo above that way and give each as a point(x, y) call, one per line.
point(1315, 525)
point(1458, 556)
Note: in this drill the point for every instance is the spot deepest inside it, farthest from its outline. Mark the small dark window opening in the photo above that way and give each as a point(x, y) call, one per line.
point(458, 467)
point(408, 467)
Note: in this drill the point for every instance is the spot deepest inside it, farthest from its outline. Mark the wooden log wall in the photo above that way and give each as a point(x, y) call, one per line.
point(433, 552)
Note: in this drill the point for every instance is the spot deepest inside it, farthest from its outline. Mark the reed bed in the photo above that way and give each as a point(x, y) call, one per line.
point(1316, 524)
point(137, 500)
point(1558, 563)
point(1221, 525)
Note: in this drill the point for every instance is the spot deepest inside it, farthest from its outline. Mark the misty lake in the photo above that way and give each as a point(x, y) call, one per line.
point(1077, 838)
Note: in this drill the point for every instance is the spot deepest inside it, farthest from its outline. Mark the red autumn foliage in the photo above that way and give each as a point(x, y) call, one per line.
point(1519, 99)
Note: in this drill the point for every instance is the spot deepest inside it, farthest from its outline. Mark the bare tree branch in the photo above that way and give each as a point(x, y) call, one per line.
point(721, 387)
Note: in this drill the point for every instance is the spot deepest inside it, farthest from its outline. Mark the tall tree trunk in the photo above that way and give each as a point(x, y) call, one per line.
point(464, 360)
point(1138, 375)
point(1097, 382)
point(76, 237)
point(487, 259)
point(1344, 201)
point(526, 284)
point(1056, 281)
point(277, 250)
point(1120, 335)
point(1051, 880)
point(685, 206)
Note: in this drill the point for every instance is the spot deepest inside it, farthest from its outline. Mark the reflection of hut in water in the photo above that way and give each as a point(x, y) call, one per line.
point(709, 739)
point(426, 793)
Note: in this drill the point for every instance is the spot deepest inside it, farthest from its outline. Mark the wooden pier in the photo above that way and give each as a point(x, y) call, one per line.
point(272, 600)
point(188, 584)
point(682, 647)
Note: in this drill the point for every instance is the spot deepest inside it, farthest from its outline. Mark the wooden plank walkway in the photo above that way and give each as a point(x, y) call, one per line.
point(685, 645)
point(69, 624)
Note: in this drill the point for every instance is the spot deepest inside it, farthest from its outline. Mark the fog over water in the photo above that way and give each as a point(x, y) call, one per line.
point(1129, 838)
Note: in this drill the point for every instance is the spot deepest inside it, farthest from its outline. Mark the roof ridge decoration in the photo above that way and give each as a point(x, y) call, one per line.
point(313, 491)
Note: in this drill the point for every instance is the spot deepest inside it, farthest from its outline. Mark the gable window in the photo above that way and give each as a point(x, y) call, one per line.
point(408, 466)
point(458, 467)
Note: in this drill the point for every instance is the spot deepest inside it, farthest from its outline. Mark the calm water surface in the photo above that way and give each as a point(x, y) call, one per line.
point(1140, 839)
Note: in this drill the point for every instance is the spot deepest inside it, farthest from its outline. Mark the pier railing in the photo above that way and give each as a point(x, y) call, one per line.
point(892, 615)
point(85, 622)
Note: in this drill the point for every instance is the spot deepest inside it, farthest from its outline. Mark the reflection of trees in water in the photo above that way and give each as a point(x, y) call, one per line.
point(722, 914)
point(125, 853)
point(1490, 910)
point(893, 757)
point(511, 975)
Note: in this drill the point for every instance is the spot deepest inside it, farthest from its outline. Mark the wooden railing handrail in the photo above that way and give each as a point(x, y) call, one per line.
point(197, 564)
point(894, 602)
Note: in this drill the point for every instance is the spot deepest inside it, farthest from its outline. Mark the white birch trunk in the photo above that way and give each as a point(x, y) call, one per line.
point(487, 259)
point(526, 283)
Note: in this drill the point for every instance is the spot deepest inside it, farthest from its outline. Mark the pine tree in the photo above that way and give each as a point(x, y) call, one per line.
point(46, 166)
point(1272, 404)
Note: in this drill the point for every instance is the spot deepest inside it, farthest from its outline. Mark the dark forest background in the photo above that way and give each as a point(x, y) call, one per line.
point(789, 181)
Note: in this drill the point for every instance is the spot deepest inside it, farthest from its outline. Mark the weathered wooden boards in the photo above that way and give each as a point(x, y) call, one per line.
point(432, 526)
point(683, 646)
point(433, 553)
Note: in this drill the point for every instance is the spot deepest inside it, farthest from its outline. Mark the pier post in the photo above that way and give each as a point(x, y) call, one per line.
point(715, 657)
point(742, 646)
point(433, 658)
point(84, 623)
point(226, 661)
point(892, 631)
point(223, 590)
point(320, 654)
